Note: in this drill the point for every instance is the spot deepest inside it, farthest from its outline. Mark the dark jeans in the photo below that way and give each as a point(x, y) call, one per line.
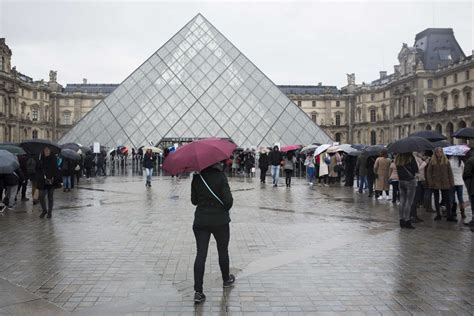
point(48, 190)
point(263, 174)
point(395, 191)
point(446, 196)
point(288, 174)
point(203, 235)
point(370, 184)
point(22, 187)
point(419, 198)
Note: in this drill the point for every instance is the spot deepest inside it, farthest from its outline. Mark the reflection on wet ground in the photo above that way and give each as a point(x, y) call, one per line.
point(115, 247)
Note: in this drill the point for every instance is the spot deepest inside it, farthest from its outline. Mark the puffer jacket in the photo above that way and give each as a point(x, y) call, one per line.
point(439, 177)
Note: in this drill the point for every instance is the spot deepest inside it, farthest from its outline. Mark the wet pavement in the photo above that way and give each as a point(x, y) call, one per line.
point(114, 247)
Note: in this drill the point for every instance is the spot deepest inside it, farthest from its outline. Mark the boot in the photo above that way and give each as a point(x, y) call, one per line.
point(454, 209)
point(402, 223)
point(50, 213)
point(43, 214)
point(463, 213)
point(409, 225)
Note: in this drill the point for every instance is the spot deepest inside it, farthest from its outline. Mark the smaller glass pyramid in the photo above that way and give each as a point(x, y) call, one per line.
point(196, 85)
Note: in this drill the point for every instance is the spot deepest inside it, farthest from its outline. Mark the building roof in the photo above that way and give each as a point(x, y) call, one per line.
point(439, 46)
point(312, 90)
point(105, 88)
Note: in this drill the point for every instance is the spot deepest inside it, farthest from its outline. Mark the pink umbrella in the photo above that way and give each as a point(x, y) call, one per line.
point(289, 148)
point(198, 155)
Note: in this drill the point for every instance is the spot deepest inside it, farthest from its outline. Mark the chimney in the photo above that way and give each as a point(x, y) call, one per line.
point(84, 81)
point(320, 84)
point(383, 74)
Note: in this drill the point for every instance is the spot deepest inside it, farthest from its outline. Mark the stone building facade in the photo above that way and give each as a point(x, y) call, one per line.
point(430, 88)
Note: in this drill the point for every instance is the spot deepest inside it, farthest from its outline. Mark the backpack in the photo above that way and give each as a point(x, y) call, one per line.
point(31, 165)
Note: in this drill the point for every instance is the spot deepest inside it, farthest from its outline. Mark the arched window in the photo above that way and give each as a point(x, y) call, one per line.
point(428, 127)
point(449, 131)
point(34, 114)
point(373, 138)
point(25, 134)
point(439, 128)
point(35, 134)
point(373, 115)
point(462, 124)
point(338, 137)
point(338, 119)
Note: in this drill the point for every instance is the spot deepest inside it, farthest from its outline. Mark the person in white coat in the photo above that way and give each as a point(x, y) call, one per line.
point(457, 165)
point(324, 162)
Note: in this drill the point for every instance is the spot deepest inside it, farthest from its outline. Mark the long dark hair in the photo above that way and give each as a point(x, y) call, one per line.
point(289, 155)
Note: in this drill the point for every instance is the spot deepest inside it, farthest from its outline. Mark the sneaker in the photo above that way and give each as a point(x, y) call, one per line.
point(2, 208)
point(230, 281)
point(379, 198)
point(199, 298)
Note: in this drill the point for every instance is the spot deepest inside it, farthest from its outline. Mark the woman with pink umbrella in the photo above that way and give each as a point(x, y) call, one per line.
point(210, 192)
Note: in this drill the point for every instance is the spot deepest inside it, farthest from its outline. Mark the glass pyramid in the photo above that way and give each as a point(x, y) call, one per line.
point(198, 84)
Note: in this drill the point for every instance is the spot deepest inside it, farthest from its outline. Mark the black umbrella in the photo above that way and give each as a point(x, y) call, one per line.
point(465, 133)
point(441, 143)
point(432, 136)
point(36, 146)
point(72, 146)
point(8, 162)
point(410, 144)
point(13, 149)
point(374, 150)
point(70, 154)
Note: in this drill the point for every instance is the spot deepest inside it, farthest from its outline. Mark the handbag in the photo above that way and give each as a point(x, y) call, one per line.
point(212, 192)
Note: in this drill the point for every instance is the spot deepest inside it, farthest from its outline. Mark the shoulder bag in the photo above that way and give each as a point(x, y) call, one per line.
point(209, 188)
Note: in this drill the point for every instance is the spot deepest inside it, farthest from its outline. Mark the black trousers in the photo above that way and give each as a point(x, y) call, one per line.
point(288, 174)
point(419, 197)
point(203, 235)
point(22, 187)
point(49, 191)
point(370, 183)
point(263, 174)
point(447, 201)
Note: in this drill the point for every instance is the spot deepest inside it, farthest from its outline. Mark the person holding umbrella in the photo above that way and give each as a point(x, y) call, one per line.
point(210, 192)
point(439, 177)
point(47, 174)
point(468, 177)
point(406, 170)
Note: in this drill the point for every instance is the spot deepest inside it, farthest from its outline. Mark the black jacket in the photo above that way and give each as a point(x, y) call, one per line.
point(263, 161)
point(46, 168)
point(408, 171)
point(209, 211)
point(14, 178)
point(67, 167)
point(275, 158)
point(149, 161)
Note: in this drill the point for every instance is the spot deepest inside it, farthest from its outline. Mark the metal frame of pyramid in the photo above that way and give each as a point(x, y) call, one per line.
point(198, 84)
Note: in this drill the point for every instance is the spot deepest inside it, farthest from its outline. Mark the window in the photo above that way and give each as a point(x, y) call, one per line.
point(35, 95)
point(314, 104)
point(467, 74)
point(468, 98)
point(372, 97)
point(444, 54)
point(41, 96)
point(338, 137)
point(35, 134)
point(2, 63)
point(338, 119)
point(384, 94)
point(413, 107)
point(444, 81)
point(430, 105)
point(66, 118)
point(314, 117)
point(34, 114)
point(373, 138)
point(373, 115)
point(455, 78)
point(445, 101)
point(23, 107)
point(430, 83)
point(456, 100)
point(338, 103)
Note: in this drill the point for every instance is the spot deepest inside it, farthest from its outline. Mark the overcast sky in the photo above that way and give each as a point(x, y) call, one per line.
point(291, 42)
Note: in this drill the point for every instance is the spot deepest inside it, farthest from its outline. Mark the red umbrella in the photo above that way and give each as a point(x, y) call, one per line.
point(290, 148)
point(198, 155)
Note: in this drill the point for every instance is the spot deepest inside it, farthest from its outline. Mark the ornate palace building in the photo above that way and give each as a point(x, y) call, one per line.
point(430, 88)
